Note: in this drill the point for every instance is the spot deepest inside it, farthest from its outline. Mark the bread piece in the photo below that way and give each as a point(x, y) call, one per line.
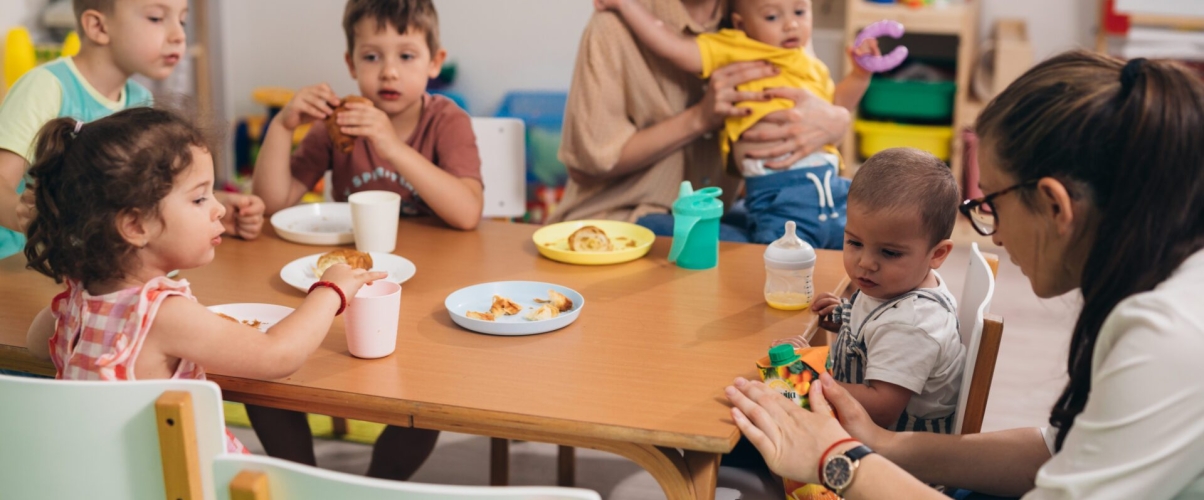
point(504, 307)
point(546, 311)
point(589, 239)
point(342, 142)
point(479, 315)
point(353, 258)
point(558, 299)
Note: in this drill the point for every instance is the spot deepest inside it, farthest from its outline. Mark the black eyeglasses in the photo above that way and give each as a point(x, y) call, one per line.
point(981, 211)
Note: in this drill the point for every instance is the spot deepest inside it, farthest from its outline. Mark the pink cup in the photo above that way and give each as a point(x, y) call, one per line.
point(371, 320)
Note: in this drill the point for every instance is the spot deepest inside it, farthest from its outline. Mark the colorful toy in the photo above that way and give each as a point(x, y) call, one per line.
point(886, 62)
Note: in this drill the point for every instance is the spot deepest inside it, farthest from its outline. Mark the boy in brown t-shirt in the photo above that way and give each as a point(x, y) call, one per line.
point(418, 145)
point(407, 141)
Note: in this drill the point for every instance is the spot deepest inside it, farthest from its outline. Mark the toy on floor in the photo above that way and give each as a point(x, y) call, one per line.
point(885, 62)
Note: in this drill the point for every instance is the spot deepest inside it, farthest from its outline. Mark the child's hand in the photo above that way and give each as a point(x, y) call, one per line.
point(824, 305)
point(607, 4)
point(244, 214)
point(26, 210)
point(867, 47)
point(361, 119)
point(308, 104)
point(797, 341)
point(350, 280)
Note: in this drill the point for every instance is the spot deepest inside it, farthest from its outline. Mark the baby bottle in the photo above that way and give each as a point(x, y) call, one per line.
point(789, 264)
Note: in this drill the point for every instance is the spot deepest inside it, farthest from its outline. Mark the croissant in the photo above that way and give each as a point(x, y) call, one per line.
point(589, 239)
point(342, 142)
point(353, 258)
point(546, 311)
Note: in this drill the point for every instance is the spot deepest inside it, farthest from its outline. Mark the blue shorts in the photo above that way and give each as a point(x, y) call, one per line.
point(815, 198)
point(732, 227)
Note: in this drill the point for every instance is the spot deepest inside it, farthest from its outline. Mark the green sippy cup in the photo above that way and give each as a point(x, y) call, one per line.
point(696, 227)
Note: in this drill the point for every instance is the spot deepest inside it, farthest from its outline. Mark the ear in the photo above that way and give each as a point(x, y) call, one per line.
point(350, 64)
point(92, 25)
point(939, 253)
point(737, 21)
point(1055, 201)
point(437, 60)
point(132, 228)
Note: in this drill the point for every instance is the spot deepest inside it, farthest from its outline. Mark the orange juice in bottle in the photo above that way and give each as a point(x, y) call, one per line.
point(789, 265)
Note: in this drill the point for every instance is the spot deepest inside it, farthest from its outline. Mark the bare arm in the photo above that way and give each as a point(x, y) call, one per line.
point(883, 401)
point(852, 88)
point(12, 169)
point(187, 330)
point(273, 180)
point(679, 48)
point(999, 463)
point(37, 340)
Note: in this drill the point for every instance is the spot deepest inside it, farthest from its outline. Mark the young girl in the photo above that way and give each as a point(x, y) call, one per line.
point(121, 202)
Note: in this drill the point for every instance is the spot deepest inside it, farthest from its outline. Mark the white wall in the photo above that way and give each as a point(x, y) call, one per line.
point(1053, 25)
point(499, 45)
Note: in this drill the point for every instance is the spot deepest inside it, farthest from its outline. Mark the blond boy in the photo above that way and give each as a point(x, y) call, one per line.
point(119, 38)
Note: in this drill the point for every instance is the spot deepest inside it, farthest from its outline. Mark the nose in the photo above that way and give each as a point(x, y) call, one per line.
point(177, 34)
point(221, 210)
point(390, 70)
point(866, 262)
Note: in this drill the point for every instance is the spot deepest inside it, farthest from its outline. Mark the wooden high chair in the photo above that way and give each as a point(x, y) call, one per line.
point(981, 334)
point(137, 439)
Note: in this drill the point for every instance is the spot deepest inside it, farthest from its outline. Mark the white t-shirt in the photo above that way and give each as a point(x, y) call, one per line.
point(915, 345)
point(1141, 434)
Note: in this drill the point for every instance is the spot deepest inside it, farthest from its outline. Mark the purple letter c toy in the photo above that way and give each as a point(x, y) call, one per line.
point(887, 62)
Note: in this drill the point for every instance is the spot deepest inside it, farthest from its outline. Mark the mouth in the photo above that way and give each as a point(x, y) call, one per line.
point(389, 95)
point(866, 283)
point(791, 43)
point(171, 59)
point(217, 240)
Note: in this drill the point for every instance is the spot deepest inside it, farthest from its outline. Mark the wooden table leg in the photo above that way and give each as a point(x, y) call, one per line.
point(566, 466)
point(499, 462)
point(704, 473)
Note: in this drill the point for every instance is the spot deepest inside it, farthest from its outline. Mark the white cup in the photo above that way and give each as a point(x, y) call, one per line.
point(374, 217)
point(371, 320)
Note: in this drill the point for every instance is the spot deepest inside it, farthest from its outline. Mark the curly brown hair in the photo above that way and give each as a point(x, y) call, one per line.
point(122, 164)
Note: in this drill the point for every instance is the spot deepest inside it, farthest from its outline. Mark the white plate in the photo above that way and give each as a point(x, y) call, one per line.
point(266, 314)
point(315, 224)
point(300, 273)
point(480, 298)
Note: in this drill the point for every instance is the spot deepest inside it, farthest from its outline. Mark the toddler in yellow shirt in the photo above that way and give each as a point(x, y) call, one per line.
point(776, 31)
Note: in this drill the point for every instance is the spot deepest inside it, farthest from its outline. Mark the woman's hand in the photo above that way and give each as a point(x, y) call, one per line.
point(810, 125)
point(790, 438)
point(721, 96)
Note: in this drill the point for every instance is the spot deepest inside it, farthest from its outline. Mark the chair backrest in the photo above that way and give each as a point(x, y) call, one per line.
point(503, 147)
point(138, 439)
point(253, 477)
point(972, 310)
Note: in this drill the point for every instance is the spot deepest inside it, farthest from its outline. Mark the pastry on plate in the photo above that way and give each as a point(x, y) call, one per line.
point(353, 258)
point(546, 311)
point(504, 307)
point(342, 142)
point(557, 299)
point(479, 315)
point(589, 239)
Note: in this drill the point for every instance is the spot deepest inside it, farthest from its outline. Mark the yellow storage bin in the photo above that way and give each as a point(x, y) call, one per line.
point(878, 136)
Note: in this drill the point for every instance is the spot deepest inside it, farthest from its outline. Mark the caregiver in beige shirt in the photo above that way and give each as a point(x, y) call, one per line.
point(635, 126)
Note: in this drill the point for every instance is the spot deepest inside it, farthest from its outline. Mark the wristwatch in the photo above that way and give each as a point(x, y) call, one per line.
point(838, 469)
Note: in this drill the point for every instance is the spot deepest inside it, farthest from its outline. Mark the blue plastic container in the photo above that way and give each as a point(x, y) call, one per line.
point(543, 114)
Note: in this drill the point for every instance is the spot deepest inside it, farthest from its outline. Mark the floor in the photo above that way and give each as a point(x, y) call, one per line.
point(1029, 374)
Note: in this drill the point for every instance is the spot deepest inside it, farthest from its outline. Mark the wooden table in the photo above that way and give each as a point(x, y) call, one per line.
point(640, 373)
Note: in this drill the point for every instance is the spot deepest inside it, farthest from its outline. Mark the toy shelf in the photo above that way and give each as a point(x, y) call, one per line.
point(958, 21)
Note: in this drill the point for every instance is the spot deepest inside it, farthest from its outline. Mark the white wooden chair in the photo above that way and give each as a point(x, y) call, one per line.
point(138, 439)
point(503, 148)
point(980, 333)
point(248, 477)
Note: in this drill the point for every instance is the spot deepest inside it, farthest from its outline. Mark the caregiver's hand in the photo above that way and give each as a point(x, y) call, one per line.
point(790, 438)
point(810, 125)
point(721, 96)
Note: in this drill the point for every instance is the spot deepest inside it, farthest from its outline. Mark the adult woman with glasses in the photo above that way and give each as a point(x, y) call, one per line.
point(1094, 170)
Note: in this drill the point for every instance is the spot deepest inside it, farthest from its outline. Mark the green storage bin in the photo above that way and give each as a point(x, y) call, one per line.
point(909, 100)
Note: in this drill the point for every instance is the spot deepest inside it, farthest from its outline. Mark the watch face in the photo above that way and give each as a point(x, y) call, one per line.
point(838, 472)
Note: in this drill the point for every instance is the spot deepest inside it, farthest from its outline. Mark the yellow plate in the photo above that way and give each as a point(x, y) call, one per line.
point(553, 242)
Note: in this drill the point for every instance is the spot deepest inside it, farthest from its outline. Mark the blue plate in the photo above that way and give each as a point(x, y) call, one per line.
point(479, 298)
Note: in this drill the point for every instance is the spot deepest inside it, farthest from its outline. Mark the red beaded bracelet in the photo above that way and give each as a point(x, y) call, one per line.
point(332, 286)
point(824, 457)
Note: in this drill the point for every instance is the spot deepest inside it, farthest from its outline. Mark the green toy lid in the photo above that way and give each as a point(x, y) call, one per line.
point(704, 203)
point(780, 355)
